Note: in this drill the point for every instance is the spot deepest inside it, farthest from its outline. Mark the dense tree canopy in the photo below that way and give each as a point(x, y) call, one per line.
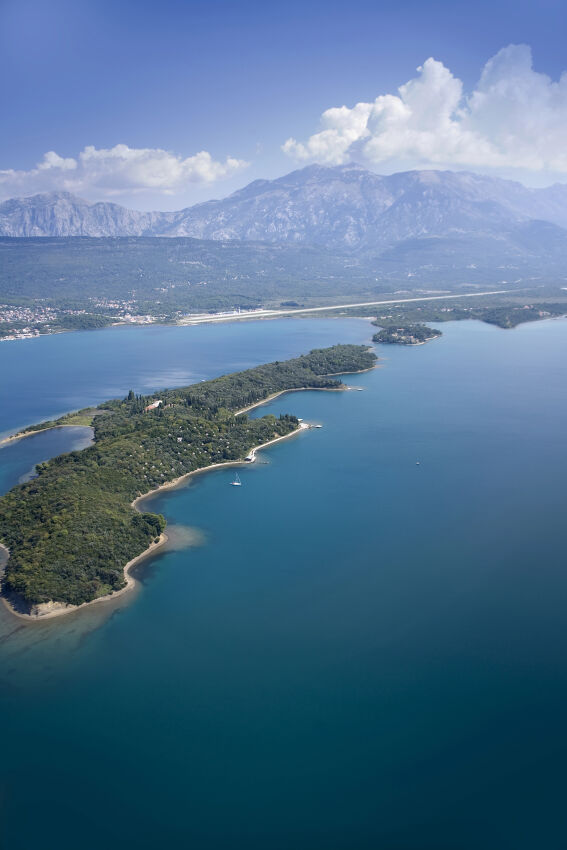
point(71, 530)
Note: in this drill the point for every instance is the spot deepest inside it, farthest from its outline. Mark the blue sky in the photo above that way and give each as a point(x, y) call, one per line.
point(167, 81)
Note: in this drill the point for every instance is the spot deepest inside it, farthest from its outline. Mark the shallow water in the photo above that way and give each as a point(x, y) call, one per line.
point(360, 652)
point(19, 458)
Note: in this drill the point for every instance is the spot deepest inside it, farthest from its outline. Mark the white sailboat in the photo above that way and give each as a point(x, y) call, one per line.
point(237, 482)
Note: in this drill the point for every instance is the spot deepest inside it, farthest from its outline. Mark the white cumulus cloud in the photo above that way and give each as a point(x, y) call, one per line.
point(514, 118)
point(109, 172)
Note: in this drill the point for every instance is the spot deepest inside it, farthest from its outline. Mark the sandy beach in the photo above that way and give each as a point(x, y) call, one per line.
point(343, 388)
point(49, 610)
point(178, 482)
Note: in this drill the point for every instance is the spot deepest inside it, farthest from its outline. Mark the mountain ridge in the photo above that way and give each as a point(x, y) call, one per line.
point(342, 208)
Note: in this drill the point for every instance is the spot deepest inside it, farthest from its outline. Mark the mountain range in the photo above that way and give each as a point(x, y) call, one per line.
point(422, 227)
point(344, 208)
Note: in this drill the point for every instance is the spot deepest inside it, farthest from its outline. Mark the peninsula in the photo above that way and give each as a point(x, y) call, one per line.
point(71, 531)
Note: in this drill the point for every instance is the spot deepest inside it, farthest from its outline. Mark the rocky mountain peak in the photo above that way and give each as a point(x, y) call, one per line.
point(344, 207)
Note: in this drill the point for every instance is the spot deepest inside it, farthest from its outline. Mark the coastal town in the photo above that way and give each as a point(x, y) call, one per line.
point(28, 322)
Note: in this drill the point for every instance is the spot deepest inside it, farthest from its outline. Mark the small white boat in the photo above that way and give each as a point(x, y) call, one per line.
point(237, 482)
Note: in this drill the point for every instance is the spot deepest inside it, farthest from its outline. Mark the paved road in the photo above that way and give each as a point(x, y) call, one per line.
point(265, 314)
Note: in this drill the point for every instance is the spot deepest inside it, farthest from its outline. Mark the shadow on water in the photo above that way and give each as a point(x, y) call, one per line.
point(38, 641)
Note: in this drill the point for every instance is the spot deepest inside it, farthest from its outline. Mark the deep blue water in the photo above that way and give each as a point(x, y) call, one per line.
point(360, 652)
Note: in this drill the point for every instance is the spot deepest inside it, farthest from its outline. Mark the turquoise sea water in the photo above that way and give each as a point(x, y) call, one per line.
point(356, 652)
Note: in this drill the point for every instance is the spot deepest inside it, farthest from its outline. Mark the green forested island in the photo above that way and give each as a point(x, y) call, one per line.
point(71, 530)
point(406, 335)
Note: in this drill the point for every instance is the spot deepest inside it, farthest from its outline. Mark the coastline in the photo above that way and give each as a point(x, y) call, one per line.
point(179, 482)
point(59, 609)
point(412, 344)
point(423, 342)
point(408, 344)
point(21, 435)
point(341, 389)
point(51, 609)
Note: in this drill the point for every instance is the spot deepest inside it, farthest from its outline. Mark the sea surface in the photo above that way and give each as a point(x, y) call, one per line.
point(362, 648)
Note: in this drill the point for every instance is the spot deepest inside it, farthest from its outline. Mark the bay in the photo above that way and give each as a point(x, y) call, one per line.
point(44, 377)
point(367, 646)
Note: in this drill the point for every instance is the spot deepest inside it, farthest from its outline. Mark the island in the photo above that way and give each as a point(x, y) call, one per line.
point(406, 335)
point(73, 532)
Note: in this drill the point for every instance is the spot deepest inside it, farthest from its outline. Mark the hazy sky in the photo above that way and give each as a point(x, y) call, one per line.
point(162, 104)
